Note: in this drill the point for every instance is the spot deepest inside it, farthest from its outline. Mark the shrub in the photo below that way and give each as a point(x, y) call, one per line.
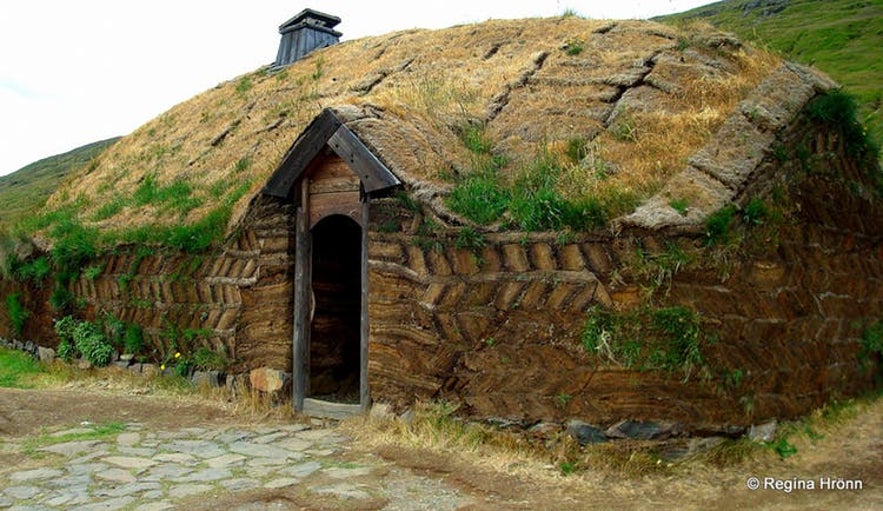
point(35, 270)
point(83, 338)
point(17, 313)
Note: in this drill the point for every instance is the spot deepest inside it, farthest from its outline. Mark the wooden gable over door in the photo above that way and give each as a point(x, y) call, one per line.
point(328, 130)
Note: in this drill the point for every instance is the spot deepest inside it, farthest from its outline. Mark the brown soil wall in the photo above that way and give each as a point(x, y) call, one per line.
point(498, 329)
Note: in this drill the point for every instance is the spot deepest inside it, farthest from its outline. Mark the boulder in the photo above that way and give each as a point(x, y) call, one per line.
point(638, 430)
point(764, 432)
point(268, 380)
point(46, 355)
point(212, 379)
point(585, 433)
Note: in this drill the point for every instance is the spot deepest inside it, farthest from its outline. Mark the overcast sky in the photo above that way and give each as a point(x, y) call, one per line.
point(78, 71)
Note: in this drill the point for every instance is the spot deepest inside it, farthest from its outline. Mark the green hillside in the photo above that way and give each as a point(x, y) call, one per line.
point(841, 37)
point(27, 188)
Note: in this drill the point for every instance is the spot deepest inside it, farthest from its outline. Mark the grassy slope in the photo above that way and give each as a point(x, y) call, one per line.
point(26, 189)
point(840, 37)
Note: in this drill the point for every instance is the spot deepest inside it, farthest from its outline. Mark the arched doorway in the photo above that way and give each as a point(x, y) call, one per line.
point(336, 310)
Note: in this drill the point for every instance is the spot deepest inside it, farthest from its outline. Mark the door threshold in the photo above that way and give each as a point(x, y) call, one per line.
point(329, 409)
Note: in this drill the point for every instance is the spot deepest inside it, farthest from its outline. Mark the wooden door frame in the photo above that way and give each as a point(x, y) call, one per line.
point(303, 281)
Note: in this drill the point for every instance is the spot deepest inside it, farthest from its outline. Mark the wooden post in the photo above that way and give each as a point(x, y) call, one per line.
point(364, 395)
point(302, 282)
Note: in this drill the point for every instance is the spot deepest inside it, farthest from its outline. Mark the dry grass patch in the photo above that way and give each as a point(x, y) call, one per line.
point(532, 82)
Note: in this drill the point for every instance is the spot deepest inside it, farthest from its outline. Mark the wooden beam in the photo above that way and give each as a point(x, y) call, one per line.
point(301, 153)
point(364, 392)
point(300, 347)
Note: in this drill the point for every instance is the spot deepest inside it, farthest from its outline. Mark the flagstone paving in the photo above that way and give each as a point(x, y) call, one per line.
point(142, 470)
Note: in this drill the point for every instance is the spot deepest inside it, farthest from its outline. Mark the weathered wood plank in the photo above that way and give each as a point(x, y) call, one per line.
point(373, 173)
point(338, 184)
point(338, 203)
point(301, 153)
point(329, 410)
point(300, 338)
point(364, 391)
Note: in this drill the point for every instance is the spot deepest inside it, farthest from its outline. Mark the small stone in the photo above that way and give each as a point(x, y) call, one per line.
point(106, 505)
point(224, 461)
point(116, 475)
point(240, 484)
point(764, 432)
point(185, 490)
point(166, 472)
point(268, 380)
point(214, 379)
point(261, 450)
point(281, 483)
point(294, 444)
point(302, 470)
point(129, 462)
point(176, 457)
point(637, 430)
point(346, 473)
point(128, 439)
point(344, 491)
point(155, 506)
point(545, 429)
point(271, 437)
point(22, 492)
point(207, 474)
point(70, 448)
point(585, 433)
point(84, 364)
point(36, 474)
point(199, 448)
point(46, 355)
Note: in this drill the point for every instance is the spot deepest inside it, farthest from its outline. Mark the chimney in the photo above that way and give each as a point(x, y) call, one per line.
point(304, 33)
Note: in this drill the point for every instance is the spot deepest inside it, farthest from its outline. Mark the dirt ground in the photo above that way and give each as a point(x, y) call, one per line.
point(852, 451)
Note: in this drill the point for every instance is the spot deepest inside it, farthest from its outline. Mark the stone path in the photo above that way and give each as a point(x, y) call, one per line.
point(142, 470)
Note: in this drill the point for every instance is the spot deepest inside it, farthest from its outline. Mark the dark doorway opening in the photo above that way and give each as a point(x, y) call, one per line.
point(337, 302)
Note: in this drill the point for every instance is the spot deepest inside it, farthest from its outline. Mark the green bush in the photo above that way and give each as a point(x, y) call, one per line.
point(717, 225)
point(35, 270)
point(17, 313)
point(133, 339)
point(479, 198)
point(206, 359)
point(838, 109)
point(83, 338)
